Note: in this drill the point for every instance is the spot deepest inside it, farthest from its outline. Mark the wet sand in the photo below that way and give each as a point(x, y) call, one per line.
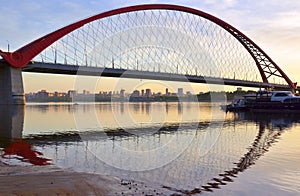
point(40, 180)
point(50, 180)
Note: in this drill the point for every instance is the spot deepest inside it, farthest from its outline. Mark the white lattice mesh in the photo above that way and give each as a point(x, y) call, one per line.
point(157, 41)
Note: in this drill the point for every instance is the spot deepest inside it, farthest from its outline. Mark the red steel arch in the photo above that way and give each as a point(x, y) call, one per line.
point(21, 57)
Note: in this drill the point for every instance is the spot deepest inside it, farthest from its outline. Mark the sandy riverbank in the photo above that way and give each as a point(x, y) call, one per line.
point(50, 180)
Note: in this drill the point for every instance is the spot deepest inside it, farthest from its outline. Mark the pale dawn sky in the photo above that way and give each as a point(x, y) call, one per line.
point(272, 25)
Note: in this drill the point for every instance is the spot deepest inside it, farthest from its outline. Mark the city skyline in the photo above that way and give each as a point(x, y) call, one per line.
point(142, 92)
point(104, 96)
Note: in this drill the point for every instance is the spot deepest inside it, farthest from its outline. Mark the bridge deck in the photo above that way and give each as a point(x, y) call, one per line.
point(110, 72)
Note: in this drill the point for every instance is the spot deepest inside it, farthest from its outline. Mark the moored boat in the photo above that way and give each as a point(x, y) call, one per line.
point(264, 101)
point(237, 104)
point(290, 104)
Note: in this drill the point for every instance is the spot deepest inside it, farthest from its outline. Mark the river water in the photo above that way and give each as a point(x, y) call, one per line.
point(182, 148)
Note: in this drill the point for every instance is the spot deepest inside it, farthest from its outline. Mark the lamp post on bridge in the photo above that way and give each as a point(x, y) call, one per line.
point(7, 45)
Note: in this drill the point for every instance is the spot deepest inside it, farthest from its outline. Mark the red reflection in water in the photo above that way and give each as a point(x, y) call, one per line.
point(26, 153)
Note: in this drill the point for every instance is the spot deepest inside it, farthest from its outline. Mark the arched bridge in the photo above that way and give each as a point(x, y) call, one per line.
point(154, 41)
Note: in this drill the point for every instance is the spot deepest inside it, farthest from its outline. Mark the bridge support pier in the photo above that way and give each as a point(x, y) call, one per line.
point(11, 86)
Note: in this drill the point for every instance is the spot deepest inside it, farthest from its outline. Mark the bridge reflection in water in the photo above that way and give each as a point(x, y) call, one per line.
point(11, 123)
point(213, 157)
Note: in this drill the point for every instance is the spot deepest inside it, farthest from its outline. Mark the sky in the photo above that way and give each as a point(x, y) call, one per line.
point(272, 25)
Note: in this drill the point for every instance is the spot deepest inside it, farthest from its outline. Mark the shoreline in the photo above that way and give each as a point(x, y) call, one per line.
point(51, 180)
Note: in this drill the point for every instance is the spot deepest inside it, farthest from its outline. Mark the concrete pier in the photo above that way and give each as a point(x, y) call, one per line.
point(11, 86)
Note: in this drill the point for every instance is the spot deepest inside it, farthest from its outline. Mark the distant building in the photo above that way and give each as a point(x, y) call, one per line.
point(180, 92)
point(42, 94)
point(135, 93)
point(62, 94)
point(72, 93)
point(122, 93)
point(85, 92)
point(57, 94)
point(148, 92)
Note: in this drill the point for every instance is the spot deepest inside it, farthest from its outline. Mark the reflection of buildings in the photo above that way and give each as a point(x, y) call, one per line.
point(63, 147)
point(194, 163)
